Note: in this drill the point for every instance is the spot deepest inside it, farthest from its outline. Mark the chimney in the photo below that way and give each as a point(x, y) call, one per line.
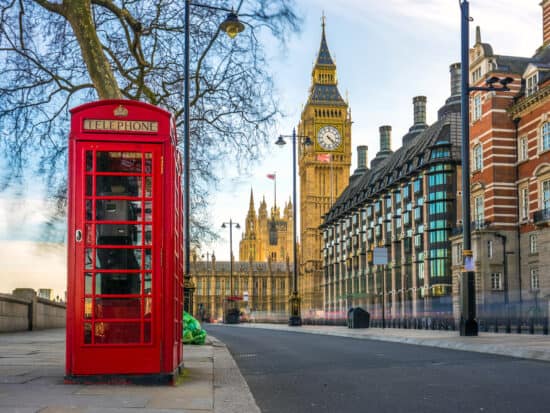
point(362, 156)
point(455, 78)
point(385, 138)
point(545, 22)
point(419, 103)
point(361, 161)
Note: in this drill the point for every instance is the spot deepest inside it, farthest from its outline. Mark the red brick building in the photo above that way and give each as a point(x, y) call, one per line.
point(510, 180)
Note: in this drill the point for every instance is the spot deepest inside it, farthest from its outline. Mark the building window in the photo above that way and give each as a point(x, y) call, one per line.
point(476, 75)
point(489, 249)
point(523, 149)
point(533, 243)
point(496, 281)
point(545, 195)
point(532, 84)
point(545, 137)
point(478, 157)
point(476, 115)
point(524, 203)
point(479, 213)
point(458, 256)
point(535, 284)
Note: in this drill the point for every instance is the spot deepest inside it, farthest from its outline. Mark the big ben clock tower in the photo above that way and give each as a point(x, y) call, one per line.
point(324, 168)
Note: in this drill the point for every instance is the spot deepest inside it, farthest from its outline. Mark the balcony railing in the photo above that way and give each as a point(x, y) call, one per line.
point(542, 216)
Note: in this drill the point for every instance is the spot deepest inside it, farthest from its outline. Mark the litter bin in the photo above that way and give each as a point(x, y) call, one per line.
point(358, 318)
point(350, 318)
point(232, 316)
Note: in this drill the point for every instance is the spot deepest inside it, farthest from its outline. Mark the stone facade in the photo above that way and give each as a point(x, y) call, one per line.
point(265, 285)
point(323, 169)
point(267, 236)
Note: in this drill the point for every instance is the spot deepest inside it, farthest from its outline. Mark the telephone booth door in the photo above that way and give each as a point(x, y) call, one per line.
point(117, 274)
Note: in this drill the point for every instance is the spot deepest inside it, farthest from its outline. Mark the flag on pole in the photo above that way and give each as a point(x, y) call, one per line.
point(271, 176)
point(323, 157)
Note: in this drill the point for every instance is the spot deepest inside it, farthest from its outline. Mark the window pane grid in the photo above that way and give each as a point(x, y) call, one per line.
point(117, 301)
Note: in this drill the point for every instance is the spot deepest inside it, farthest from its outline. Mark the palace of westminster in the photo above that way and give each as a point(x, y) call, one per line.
point(408, 202)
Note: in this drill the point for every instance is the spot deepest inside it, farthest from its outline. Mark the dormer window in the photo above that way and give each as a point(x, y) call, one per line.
point(532, 84)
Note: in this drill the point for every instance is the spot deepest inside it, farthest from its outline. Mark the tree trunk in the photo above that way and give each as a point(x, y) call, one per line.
point(79, 15)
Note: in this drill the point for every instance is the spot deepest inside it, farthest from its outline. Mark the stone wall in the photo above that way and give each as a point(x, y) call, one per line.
point(23, 311)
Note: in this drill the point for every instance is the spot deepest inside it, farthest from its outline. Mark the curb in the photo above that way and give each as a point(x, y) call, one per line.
point(231, 392)
point(453, 342)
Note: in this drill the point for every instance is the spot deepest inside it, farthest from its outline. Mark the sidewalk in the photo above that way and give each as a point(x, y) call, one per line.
point(527, 346)
point(32, 370)
point(32, 367)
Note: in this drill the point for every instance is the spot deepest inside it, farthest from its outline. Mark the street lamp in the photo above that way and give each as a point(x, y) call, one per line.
point(232, 26)
point(228, 317)
point(295, 318)
point(468, 323)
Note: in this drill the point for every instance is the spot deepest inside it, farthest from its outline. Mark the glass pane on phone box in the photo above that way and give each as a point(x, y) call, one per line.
point(88, 283)
point(148, 234)
point(148, 211)
point(118, 210)
point(148, 186)
point(118, 161)
point(118, 283)
point(118, 234)
point(147, 288)
point(114, 185)
point(118, 258)
point(89, 161)
point(89, 185)
point(111, 333)
point(148, 163)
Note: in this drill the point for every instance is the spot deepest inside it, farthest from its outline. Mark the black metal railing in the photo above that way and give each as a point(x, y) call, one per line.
point(542, 215)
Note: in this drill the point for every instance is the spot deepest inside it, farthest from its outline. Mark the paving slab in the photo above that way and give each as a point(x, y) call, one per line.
point(32, 368)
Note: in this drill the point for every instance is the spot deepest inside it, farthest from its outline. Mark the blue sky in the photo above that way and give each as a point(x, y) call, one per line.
point(386, 52)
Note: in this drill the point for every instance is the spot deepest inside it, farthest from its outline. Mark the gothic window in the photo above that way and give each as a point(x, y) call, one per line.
point(273, 235)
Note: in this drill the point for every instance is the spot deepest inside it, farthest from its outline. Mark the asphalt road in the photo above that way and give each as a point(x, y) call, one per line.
point(293, 372)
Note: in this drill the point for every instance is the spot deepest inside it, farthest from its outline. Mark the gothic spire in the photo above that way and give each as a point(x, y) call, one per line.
point(323, 57)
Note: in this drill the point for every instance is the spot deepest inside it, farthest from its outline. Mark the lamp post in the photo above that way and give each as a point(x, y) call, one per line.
point(229, 317)
point(295, 318)
point(232, 26)
point(468, 323)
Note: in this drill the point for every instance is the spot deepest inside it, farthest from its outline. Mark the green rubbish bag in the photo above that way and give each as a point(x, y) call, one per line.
point(192, 331)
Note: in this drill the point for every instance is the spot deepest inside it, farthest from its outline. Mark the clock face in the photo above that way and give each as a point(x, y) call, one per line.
point(329, 138)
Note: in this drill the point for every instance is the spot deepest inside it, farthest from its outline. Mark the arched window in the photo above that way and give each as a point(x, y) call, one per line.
point(545, 136)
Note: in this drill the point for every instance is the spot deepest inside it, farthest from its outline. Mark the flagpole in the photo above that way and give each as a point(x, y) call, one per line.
point(275, 190)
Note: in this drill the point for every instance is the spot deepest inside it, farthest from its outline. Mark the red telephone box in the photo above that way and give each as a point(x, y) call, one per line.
point(125, 256)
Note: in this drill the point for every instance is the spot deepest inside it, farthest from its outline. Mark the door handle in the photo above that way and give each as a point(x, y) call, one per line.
point(78, 235)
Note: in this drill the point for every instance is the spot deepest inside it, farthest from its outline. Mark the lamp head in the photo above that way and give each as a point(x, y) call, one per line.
point(231, 25)
point(492, 80)
point(506, 81)
point(280, 141)
point(307, 141)
point(237, 226)
point(223, 225)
